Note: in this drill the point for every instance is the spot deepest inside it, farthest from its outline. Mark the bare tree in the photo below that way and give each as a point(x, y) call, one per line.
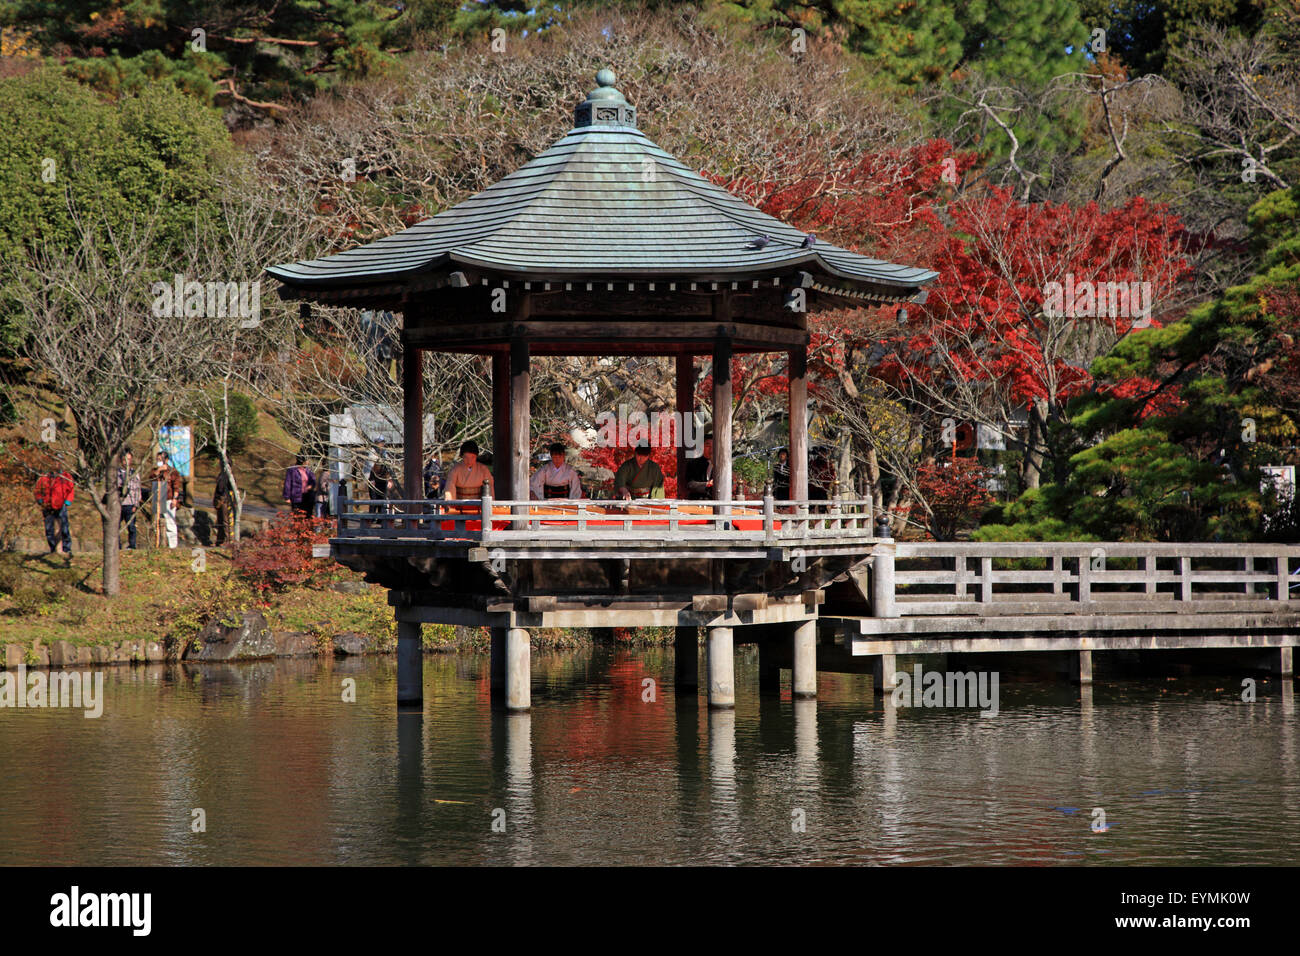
point(93, 338)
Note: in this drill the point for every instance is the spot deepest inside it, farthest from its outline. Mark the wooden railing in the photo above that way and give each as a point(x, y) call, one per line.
point(1090, 578)
point(767, 521)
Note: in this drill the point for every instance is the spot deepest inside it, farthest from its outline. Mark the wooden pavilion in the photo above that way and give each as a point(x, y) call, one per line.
point(604, 245)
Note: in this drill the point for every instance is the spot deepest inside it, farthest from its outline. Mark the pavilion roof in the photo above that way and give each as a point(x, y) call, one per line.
point(606, 202)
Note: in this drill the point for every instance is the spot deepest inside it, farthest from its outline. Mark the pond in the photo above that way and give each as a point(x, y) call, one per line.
point(267, 763)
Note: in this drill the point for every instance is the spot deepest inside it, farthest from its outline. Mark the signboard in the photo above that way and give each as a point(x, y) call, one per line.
point(177, 443)
point(1279, 477)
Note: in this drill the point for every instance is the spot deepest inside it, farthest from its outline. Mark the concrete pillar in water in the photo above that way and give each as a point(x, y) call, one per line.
point(883, 668)
point(769, 669)
point(1286, 656)
point(686, 658)
point(497, 665)
point(518, 669)
point(804, 681)
point(722, 668)
point(1083, 674)
point(410, 665)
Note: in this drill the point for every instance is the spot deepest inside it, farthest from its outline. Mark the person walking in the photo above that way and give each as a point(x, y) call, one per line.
point(300, 487)
point(128, 488)
point(223, 502)
point(53, 491)
point(324, 492)
point(167, 481)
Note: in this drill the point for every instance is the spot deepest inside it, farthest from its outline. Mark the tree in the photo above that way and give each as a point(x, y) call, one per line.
point(150, 157)
point(1183, 416)
point(94, 340)
point(1023, 307)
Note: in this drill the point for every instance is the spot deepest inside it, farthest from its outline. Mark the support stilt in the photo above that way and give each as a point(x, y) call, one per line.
point(686, 658)
point(722, 668)
point(804, 681)
point(769, 669)
point(883, 669)
point(1083, 673)
point(518, 670)
point(410, 665)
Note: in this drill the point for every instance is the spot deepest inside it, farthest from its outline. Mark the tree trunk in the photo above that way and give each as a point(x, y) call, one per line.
point(112, 577)
point(873, 480)
point(1031, 468)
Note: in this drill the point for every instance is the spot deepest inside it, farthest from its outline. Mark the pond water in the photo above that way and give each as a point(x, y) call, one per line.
point(287, 772)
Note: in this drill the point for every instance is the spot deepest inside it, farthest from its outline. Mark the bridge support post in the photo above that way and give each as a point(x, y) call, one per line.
point(410, 665)
point(1286, 664)
point(882, 580)
point(804, 672)
point(769, 669)
point(722, 668)
point(686, 658)
point(1083, 669)
point(518, 666)
point(883, 668)
point(497, 664)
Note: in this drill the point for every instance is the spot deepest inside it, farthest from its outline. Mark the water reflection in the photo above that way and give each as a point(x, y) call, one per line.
point(289, 769)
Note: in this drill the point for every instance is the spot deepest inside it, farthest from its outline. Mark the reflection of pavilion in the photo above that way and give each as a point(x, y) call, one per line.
point(604, 245)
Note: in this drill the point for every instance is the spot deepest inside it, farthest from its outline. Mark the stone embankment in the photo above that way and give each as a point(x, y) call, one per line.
point(249, 640)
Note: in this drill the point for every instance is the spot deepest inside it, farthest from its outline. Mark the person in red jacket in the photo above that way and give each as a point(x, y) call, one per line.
point(53, 492)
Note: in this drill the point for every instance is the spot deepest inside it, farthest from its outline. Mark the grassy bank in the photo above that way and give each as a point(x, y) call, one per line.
point(49, 598)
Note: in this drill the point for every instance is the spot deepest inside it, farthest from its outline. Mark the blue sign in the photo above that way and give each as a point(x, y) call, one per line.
point(175, 442)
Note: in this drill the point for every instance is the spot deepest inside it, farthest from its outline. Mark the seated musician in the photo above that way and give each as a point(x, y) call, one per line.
point(556, 479)
point(465, 480)
point(639, 477)
point(699, 473)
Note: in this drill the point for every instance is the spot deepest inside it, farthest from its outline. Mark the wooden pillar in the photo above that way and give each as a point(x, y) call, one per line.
point(685, 413)
point(798, 378)
point(520, 417)
point(412, 425)
point(722, 418)
point(501, 476)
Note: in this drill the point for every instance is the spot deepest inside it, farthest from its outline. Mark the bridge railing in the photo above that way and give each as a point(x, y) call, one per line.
point(508, 521)
point(1090, 577)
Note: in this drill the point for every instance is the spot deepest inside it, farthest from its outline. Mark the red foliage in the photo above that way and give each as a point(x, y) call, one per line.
point(280, 557)
point(956, 493)
point(986, 312)
point(665, 456)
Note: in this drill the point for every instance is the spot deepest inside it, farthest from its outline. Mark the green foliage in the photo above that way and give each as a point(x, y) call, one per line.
point(147, 158)
point(252, 57)
point(242, 425)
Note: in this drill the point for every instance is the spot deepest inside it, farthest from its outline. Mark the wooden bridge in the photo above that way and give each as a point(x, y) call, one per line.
point(1076, 597)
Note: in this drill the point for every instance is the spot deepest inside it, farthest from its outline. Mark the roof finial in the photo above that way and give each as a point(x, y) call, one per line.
point(605, 106)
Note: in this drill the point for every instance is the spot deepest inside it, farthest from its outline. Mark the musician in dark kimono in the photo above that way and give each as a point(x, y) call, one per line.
point(555, 479)
point(639, 476)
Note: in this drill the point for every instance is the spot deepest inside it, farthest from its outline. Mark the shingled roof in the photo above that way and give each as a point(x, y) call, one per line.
point(606, 202)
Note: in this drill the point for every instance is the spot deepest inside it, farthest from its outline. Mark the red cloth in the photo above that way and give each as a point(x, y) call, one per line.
point(53, 491)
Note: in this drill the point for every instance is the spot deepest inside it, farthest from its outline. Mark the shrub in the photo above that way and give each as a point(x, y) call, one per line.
point(280, 557)
point(214, 598)
point(28, 599)
point(11, 573)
